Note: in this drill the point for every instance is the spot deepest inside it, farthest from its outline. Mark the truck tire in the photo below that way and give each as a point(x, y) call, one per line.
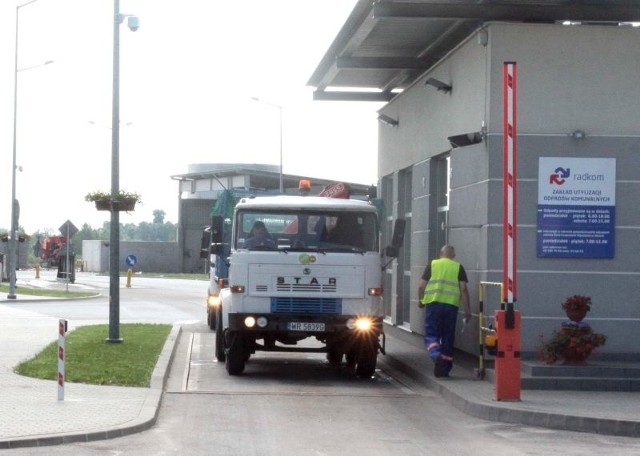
point(367, 359)
point(334, 355)
point(212, 319)
point(235, 353)
point(219, 349)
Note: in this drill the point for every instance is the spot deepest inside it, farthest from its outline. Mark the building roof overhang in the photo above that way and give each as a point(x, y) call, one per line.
point(385, 45)
point(261, 175)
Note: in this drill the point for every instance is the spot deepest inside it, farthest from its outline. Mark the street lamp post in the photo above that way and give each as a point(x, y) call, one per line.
point(114, 227)
point(15, 208)
point(279, 107)
point(114, 231)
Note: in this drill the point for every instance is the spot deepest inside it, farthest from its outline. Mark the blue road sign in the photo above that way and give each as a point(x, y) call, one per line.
point(131, 260)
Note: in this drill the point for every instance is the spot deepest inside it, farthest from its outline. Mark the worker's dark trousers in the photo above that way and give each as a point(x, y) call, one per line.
point(440, 331)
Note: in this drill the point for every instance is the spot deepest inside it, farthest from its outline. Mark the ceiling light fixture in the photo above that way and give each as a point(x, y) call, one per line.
point(388, 120)
point(441, 86)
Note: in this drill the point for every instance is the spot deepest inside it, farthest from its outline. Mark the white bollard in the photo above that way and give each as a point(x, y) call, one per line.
point(62, 331)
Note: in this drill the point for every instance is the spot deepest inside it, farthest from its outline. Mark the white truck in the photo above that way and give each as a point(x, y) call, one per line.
point(318, 275)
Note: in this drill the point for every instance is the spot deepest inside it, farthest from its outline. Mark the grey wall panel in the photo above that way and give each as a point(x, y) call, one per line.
point(427, 117)
point(568, 77)
point(561, 88)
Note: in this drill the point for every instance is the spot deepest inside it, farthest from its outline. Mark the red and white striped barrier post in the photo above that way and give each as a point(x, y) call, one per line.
point(510, 184)
point(507, 362)
point(62, 331)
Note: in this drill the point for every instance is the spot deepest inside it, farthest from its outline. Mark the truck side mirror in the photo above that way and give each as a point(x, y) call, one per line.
point(216, 231)
point(397, 240)
point(205, 242)
point(390, 251)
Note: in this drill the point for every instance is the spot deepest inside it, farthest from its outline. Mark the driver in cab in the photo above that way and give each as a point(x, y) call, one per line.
point(259, 237)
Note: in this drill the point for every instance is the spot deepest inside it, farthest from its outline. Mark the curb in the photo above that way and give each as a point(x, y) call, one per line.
point(504, 413)
point(22, 299)
point(146, 418)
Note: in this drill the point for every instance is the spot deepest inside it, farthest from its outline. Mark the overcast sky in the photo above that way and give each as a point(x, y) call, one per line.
point(187, 79)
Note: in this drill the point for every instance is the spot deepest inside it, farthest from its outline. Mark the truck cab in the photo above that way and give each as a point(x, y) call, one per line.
point(300, 267)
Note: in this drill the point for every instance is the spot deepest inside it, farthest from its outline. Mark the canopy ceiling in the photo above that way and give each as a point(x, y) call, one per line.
point(385, 45)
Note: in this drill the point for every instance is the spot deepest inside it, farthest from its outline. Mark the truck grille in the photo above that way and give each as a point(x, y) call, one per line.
point(310, 288)
point(306, 305)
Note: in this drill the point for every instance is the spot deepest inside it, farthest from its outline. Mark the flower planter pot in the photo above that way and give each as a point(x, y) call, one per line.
point(573, 331)
point(123, 205)
point(126, 205)
point(576, 315)
point(103, 205)
point(576, 356)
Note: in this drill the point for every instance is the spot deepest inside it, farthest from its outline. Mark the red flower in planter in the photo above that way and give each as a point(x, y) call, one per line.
point(577, 302)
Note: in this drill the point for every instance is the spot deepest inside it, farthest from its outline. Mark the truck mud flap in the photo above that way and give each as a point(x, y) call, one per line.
point(382, 346)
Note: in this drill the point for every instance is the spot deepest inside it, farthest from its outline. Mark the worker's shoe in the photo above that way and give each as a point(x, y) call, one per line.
point(441, 368)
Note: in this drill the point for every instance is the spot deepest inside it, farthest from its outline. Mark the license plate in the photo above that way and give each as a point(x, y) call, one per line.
point(301, 326)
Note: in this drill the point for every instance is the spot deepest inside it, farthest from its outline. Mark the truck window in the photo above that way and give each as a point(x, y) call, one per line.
point(311, 230)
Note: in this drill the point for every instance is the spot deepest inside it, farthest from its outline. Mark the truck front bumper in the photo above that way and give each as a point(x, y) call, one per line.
point(309, 324)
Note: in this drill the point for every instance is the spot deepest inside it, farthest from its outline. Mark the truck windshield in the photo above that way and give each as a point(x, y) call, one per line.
point(307, 231)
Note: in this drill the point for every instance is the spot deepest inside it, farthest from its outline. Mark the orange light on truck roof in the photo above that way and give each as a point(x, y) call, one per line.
point(304, 184)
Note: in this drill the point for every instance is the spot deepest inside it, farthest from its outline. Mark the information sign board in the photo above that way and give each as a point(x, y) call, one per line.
point(576, 207)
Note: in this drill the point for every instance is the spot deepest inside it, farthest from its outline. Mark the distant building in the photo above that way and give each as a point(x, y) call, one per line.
point(21, 258)
point(199, 188)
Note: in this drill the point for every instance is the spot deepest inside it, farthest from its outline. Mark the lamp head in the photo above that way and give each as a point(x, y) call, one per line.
point(133, 22)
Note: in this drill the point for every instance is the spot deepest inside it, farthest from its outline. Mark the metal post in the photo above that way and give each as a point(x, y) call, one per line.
point(114, 238)
point(15, 207)
point(508, 322)
point(510, 186)
point(62, 332)
point(13, 246)
point(281, 181)
point(67, 270)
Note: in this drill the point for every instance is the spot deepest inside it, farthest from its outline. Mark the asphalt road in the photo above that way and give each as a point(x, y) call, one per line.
point(296, 404)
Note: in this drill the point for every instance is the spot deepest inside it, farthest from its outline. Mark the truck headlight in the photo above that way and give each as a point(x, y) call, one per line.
point(249, 322)
point(360, 324)
point(214, 301)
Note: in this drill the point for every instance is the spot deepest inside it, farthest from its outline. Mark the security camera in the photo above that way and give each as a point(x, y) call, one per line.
point(133, 22)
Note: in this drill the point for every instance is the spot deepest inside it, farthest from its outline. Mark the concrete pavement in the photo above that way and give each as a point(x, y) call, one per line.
point(31, 414)
point(602, 412)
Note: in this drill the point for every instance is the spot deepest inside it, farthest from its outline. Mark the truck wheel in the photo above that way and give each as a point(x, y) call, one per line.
point(366, 361)
point(235, 353)
point(351, 359)
point(211, 319)
point(219, 350)
point(334, 356)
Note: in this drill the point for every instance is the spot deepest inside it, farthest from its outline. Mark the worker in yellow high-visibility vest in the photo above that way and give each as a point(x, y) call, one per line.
point(442, 287)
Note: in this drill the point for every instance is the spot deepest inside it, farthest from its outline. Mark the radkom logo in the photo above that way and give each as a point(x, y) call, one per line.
point(559, 176)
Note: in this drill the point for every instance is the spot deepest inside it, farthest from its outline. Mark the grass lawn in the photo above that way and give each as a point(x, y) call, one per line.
point(48, 292)
point(89, 359)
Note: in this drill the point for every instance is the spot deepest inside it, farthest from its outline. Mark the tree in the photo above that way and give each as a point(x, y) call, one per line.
point(159, 230)
point(85, 233)
point(158, 216)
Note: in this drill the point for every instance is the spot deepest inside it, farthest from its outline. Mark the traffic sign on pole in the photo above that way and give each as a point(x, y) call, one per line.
point(131, 260)
point(68, 229)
